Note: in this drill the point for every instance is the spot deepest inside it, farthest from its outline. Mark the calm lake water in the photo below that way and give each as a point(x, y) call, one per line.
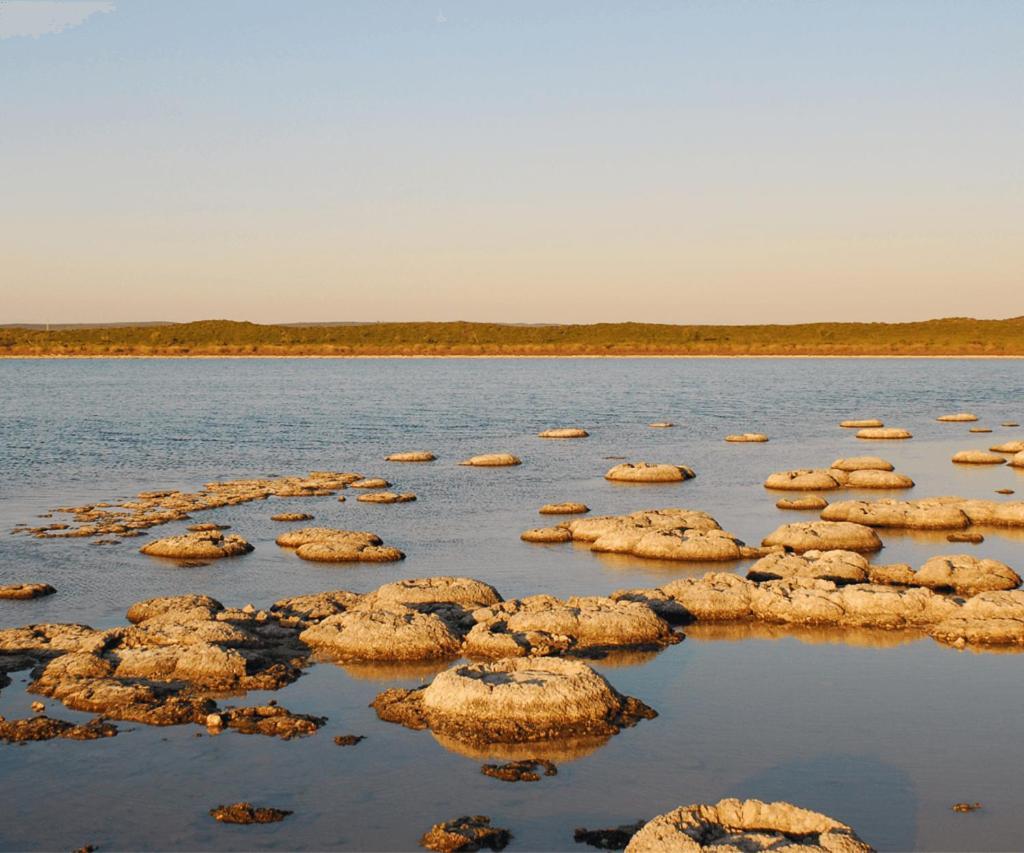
point(883, 731)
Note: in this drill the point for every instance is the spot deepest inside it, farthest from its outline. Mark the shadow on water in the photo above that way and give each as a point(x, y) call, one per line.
point(877, 799)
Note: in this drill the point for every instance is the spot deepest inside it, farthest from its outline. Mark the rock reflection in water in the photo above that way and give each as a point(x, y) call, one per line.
point(559, 751)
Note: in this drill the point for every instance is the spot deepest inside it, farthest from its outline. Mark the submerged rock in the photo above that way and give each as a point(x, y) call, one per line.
point(661, 425)
point(564, 432)
point(824, 536)
point(348, 740)
point(25, 591)
point(978, 457)
point(745, 825)
point(614, 838)
point(884, 433)
point(411, 456)
point(520, 771)
point(492, 460)
point(248, 813)
point(316, 606)
point(514, 700)
point(465, 833)
point(203, 545)
point(804, 502)
point(47, 728)
point(386, 498)
point(564, 509)
point(646, 472)
point(270, 720)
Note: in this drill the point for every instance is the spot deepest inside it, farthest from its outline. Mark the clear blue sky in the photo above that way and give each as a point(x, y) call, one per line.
point(521, 161)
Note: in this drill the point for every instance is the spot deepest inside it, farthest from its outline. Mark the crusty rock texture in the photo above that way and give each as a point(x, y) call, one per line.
point(836, 566)
point(471, 832)
point(25, 591)
point(745, 826)
point(564, 432)
point(544, 625)
point(966, 574)
point(370, 483)
point(411, 456)
point(492, 460)
point(803, 536)
point(884, 433)
point(567, 508)
point(978, 457)
point(330, 545)
point(514, 700)
point(248, 813)
point(853, 473)
point(647, 472)
point(399, 633)
point(202, 545)
point(1017, 460)
point(945, 513)
point(989, 618)
point(805, 502)
point(47, 728)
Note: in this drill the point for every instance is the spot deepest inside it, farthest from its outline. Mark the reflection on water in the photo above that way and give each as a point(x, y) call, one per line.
point(411, 670)
point(568, 749)
point(883, 730)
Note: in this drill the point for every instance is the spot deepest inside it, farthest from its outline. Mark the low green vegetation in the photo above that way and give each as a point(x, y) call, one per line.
point(953, 336)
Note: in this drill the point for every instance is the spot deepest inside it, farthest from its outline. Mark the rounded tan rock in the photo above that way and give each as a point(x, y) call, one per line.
point(661, 425)
point(836, 566)
point(1017, 460)
point(411, 456)
point(752, 437)
point(824, 536)
point(802, 480)
point(386, 498)
point(958, 418)
point(806, 502)
point(370, 483)
point(546, 534)
point(646, 472)
point(875, 479)
point(25, 591)
point(205, 545)
point(563, 432)
point(567, 508)
point(398, 633)
point(307, 535)
point(964, 573)
point(292, 516)
point(865, 423)
point(445, 589)
point(863, 463)
point(978, 457)
point(1008, 447)
point(927, 514)
point(745, 825)
point(492, 460)
point(884, 433)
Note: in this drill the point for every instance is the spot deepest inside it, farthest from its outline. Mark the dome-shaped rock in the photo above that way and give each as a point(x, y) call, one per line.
point(966, 574)
point(958, 418)
point(978, 457)
point(398, 633)
point(812, 502)
point(646, 472)
point(546, 534)
point(411, 456)
point(25, 591)
point(824, 536)
point(835, 566)
point(863, 463)
point(753, 437)
point(802, 480)
point(564, 432)
point(206, 545)
point(865, 423)
point(386, 498)
point(875, 479)
point(567, 508)
point(884, 433)
point(745, 825)
point(492, 460)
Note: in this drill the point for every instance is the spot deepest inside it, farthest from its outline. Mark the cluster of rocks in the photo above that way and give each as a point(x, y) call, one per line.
point(942, 513)
point(332, 545)
point(152, 508)
point(667, 534)
point(857, 472)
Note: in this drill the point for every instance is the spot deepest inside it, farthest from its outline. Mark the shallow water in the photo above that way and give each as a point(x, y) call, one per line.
point(882, 730)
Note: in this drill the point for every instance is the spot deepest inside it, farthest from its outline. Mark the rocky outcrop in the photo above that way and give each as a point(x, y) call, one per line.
point(564, 432)
point(471, 832)
point(1008, 447)
point(370, 483)
point(986, 619)
point(330, 545)
point(25, 591)
point(647, 472)
point(884, 433)
point(292, 516)
point(803, 480)
point(824, 536)
point(966, 574)
point(394, 634)
point(837, 566)
point(248, 813)
point(47, 728)
point(544, 625)
point(514, 700)
point(945, 513)
point(411, 456)
point(745, 825)
point(202, 545)
point(978, 457)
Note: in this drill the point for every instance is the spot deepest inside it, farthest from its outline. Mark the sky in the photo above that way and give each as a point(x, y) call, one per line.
point(521, 161)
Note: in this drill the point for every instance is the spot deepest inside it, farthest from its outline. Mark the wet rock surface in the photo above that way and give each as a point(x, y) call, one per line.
point(399, 633)
point(978, 457)
point(747, 826)
point(465, 833)
point(201, 545)
point(333, 545)
point(546, 535)
point(514, 700)
point(269, 720)
point(245, 813)
point(647, 472)
point(613, 838)
point(964, 573)
point(836, 566)
point(25, 591)
point(47, 728)
point(527, 770)
point(348, 740)
point(824, 536)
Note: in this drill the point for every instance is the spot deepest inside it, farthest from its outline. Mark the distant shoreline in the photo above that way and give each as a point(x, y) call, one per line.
point(955, 337)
